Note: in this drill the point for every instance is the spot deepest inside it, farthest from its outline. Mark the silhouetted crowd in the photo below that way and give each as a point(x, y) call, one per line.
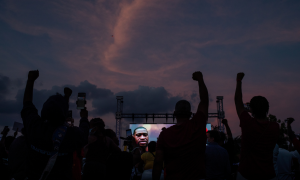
point(52, 148)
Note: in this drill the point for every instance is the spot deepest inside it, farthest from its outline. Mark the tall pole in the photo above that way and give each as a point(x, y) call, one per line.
point(221, 114)
point(119, 117)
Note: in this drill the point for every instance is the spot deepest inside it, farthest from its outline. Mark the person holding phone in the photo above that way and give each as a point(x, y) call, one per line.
point(40, 131)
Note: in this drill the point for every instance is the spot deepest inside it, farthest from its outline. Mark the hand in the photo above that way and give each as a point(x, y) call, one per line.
point(16, 133)
point(84, 113)
point(290, 121)
point(67, 91)
point(224, 121)
point(69, 119)
point(197, 76)
point(33, 75)
point(240, 76)
point(5, 131)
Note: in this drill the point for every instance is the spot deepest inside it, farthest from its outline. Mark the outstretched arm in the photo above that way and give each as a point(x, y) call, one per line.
point(292, 136)
point(225, 122)
point(203, 105)
point(238, 98)
point(68, 93)
point(32, 76)
point(4, 134)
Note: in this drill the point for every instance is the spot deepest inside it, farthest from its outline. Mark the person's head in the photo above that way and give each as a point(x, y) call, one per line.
point(97, 126)
point(55, 110)
point(112, 135)
point(8, 142)
point(259, 107)
point(213, 136)
point(141, 137)
point(182, 110)
point(152, 146)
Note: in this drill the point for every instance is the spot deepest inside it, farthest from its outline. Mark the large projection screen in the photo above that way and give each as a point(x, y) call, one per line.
point(155, 129)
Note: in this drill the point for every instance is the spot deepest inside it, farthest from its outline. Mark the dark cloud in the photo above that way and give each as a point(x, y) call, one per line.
point(4, 84)
point(142, 100)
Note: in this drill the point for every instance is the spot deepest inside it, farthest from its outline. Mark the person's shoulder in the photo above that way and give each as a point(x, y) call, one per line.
point(274, 124)
point(245, 114)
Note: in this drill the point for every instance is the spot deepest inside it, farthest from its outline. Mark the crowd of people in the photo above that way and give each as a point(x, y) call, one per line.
point(52, 148)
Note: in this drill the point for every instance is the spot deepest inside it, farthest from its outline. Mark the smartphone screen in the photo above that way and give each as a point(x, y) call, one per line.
point(128, 133)
point(81, 100)
point(70, 113)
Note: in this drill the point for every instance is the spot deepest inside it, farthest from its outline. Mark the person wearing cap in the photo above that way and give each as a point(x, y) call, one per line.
point(182, 147)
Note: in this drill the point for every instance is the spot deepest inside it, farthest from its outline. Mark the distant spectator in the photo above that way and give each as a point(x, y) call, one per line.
point(4, 152)
point(77, 164)
point(275, 158)
point(259, 137)
point(229, 145)
point(284, 164)
point(217, 164)
point(98, 151)
point(41, 131)
point(5, 143)
point(112, 135)
point(182, 146)
point(148, 159)
point(119, 164)
point(17, 156)
point(292, 135)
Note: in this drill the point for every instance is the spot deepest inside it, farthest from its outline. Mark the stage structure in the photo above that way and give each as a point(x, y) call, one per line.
point(119, 115)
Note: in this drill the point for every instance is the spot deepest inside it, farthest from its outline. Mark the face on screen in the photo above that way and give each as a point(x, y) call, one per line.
point(141, 137)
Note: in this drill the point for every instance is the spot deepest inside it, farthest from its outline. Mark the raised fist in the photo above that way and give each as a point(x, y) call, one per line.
point(33, 75)
point(16, 133)
point(5, 131)
point(240, 76)
point(67, 91)
point(224, 121)
point(84, 113)
point(197, 76)
point(290, 121)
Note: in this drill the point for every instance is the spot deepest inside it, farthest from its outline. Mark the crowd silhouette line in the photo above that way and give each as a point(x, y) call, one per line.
point(52, 148)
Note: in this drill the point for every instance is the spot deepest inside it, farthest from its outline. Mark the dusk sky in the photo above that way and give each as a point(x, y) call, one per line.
point(146, 51)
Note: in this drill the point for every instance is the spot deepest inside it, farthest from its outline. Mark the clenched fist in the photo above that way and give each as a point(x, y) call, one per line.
point(240, 76)
point(197, 76)
point(67, 91)
point(33, 75)
point(224, 121)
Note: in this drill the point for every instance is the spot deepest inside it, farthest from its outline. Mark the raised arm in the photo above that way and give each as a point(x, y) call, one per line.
point(32, 76)
point(292, 136)
point(68, 93)
point(203, 105)
point(238, 98)
point(4, 134)
point(228, 131)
